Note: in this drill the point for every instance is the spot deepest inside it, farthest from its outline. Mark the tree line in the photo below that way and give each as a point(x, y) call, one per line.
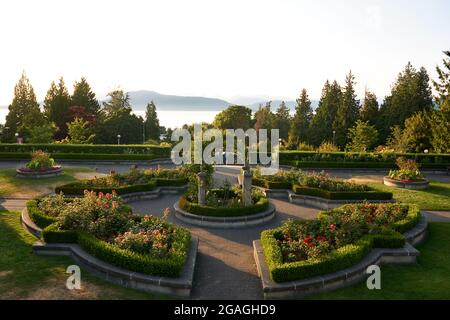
point(78, 117)
point(409, 119)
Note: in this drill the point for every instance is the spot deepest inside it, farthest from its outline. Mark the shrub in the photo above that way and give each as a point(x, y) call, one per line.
point(337, 239)
point(342, 195)
point(40, 161)
point(107, 229)
point(409, 170)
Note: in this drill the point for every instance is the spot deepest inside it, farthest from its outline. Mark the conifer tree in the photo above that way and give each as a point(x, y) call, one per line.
point(369, 109)
point(24, 112)
point(151, 124)
point(322, 122)
point(83, 96)
point(56, 107)
point(282, 119)
point(347, 113)
point(443, 86)
point(298, 131)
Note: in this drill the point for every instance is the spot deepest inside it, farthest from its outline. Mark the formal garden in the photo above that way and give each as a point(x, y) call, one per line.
point(92, 217)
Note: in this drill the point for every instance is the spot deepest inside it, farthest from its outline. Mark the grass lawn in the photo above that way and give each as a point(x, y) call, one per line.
point(429, 279)
point(11, 186)
point(24, 275)
point(436, 197)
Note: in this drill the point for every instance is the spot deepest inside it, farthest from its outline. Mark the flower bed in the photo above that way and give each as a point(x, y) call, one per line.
point(107, 229)
point(319, 185)
point(337, 239)
point(41, 165)
point(408, 176)
point(225, 203)
point(133, 181)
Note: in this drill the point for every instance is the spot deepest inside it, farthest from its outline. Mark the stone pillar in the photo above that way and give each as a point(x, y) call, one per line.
point(247, 187)
point(201, 188)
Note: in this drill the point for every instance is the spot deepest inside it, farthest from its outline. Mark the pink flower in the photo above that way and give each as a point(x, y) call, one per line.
point(333, 226)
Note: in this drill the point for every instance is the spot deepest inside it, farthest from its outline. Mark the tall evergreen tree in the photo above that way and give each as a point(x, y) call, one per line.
point(151, 124)
point(24, 112)
point(264, 117)
point(443, 86)
point(322, 123)
point(83, 96)
point(410, 94)
point(282, 119)
point(117, 119)
point(56, 107)
point(369, 109)
point(347, 113)
point(298, 131)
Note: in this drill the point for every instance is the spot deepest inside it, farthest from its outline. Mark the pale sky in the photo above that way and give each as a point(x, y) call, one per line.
point(224, 49)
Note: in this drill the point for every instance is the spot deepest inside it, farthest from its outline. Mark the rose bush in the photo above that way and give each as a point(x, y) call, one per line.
point(408, 170)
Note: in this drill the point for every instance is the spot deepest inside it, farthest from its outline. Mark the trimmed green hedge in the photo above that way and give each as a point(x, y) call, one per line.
point(85, 156)
point(87, 149)
point(271, 184)
point(194, 208)
point(171, 266)
point(78, 187)
point(362, 157)
point(342, 195)
point(40, 219)
point(340, 258)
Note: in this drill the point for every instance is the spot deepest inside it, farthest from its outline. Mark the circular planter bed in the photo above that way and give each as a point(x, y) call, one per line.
point(39, 174)
point(406, 184)
point(225, 222)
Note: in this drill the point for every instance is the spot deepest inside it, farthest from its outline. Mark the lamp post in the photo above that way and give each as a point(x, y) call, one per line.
point(334, 136)
point(17, 137)
point(425, 151)
point(118, 139)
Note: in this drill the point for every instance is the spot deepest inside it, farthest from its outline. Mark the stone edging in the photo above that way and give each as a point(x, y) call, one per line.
point(316, 202)
point(342, 278)
point(26, 222)
point(38, 174)
point(181, 286)
point(411, 185)
point(225, 222)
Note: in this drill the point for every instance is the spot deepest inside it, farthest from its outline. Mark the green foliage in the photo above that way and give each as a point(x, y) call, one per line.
point(79, 132)
point(443, 86)
point(342, 195)
point(37, 216)
point(440, 132)
point(282, 120)
point(347, 113)
point(234, 117)
point(409, 170)
point(369, 110)
point(24, 112)
point(83, 96)
point(362, 137)
point(261, 205)
point(411, 93)
point(151, 123)
point(264, 117)
point(327, 146)
point(40, 160)
point(322, 122)
point(43, 133)
point(301, 121)
point(56, 107)
point(337, 239)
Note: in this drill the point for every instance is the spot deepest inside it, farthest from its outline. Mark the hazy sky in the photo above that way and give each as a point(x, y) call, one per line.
point(223, 48)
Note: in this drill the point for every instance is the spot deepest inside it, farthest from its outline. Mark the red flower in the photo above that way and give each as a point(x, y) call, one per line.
point(307, 240)
point(333, 226)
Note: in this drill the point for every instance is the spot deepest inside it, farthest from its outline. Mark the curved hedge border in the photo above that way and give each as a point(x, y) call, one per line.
point(342, 195)
point(77, 188)
point(340, 258)
point(195, 208)
point(321, 193)
point(167, 267)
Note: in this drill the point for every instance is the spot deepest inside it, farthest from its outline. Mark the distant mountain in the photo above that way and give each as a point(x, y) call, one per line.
point(139, 100)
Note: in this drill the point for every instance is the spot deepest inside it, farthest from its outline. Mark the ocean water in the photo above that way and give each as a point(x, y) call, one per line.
point(167, 118)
